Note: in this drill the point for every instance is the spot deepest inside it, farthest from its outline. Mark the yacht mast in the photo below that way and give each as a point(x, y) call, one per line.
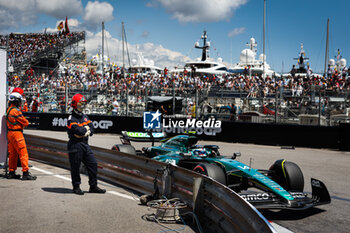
point(264, 39)
point(327, 51)
point(123, 45)
point(103, 49)
point(204, 47)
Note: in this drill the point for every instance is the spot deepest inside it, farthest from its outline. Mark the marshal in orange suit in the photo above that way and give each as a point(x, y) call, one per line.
point(16, 143)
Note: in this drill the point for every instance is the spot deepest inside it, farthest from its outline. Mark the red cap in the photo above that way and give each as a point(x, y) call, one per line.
point(18, 90)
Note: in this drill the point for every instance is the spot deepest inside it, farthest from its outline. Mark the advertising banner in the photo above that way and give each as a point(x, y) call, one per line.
point(3, 87)
point(102, 123)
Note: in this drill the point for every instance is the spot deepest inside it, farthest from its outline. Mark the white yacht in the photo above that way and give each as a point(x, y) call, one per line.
point(205, 65)
point(337, 64)
point(248, 63)
point(144, 66)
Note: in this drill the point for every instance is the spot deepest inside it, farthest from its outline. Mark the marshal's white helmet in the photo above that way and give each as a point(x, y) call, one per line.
point(15, 96)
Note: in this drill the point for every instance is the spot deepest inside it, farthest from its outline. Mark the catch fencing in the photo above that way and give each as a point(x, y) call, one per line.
point(315, 107)
point(218, 208)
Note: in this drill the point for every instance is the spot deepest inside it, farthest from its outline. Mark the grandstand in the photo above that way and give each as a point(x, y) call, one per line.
point(40, 52)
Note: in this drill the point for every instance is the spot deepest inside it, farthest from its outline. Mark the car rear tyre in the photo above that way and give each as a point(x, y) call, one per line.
point(129, 149)
point(288, 175)
point(213, 171)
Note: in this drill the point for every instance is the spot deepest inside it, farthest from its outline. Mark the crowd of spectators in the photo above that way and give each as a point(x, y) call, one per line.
point(116, 82)
point(22, 47)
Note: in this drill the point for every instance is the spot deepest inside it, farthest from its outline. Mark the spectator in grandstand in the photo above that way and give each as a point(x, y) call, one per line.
point(25, 104)
point(233, 111)
point(299, 90)
point(294, 89)
point(62, 104)
point(163, 110)
point(34, 105)
point(109, 107)
point(293, 71)
point(329, 71)
point(308, 71)
point(40, 106)
point(191, 109)
point(115, 107)
point(166, 72)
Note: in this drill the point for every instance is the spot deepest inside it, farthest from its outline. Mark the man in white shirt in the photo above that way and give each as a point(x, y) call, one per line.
point(115, 107)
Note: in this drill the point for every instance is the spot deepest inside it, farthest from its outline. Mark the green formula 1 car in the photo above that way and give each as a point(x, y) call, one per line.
point(280, 187)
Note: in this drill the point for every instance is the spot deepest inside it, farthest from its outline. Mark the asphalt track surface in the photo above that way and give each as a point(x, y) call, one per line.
point(47, 205)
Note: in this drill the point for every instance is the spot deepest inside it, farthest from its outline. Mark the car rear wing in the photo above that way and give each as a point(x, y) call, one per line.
point(127, 137)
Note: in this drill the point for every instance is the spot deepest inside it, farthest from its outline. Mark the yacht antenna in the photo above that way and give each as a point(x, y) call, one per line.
point(327, 50)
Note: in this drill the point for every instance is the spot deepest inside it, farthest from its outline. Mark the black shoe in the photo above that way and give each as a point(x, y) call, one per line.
point(78, 191)
point(96, 189)
point(13, 175)
point(28, 176)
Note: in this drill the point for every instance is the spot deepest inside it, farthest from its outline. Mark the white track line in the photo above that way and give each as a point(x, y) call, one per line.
point(122, 195)
point(280, 229)
point(68, 179)
point(52, 174)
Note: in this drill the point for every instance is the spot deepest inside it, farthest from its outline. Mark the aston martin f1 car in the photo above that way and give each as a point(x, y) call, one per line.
point(279, 187)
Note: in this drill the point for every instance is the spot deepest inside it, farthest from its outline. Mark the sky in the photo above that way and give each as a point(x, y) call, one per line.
point(165, 30)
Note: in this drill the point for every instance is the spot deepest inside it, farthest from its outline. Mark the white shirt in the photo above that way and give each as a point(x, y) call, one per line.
point(115, 105)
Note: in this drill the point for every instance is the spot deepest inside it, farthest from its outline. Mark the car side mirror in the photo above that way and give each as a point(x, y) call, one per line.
point(236, 154)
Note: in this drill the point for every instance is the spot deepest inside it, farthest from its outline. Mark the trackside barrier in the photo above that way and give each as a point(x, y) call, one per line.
point(218, 208)
point(336, 137)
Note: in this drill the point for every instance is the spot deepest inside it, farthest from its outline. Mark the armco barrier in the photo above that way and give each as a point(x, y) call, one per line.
point(218, 208)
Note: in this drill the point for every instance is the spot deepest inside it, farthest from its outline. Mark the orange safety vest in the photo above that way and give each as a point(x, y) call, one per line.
point(15, 119)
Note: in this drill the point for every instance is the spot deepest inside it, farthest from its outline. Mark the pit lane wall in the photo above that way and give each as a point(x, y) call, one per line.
point(335, 137)
point(218, 208)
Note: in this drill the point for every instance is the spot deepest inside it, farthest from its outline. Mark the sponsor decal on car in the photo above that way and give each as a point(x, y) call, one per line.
point(298, 195)
point(316, 183)
point(144, 135)
point(256, 197)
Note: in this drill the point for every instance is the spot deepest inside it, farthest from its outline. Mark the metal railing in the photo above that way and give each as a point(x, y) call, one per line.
point(218, 208)
point(281, 108)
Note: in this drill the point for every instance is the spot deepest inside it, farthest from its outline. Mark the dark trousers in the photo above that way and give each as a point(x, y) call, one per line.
point(81, 152)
